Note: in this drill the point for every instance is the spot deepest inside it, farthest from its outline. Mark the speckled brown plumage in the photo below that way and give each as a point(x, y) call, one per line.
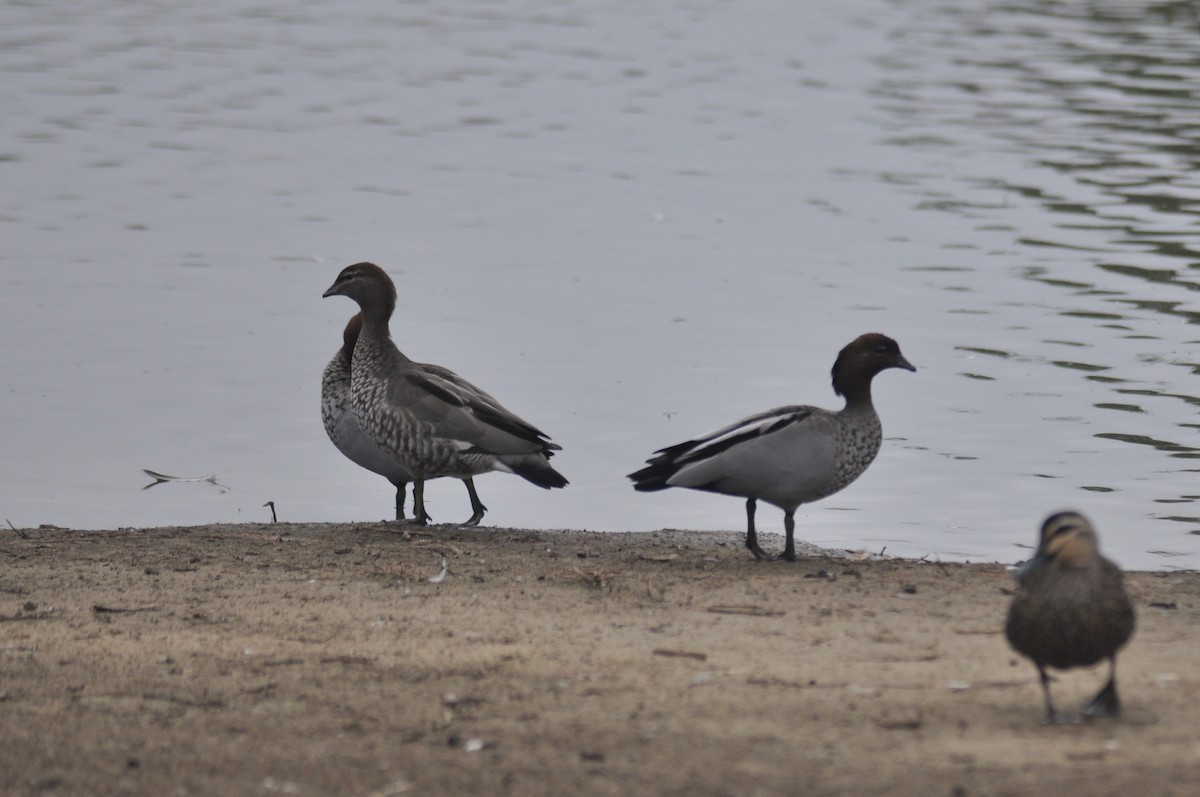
point(790, 455)
point(1071, 609)
point(346, 433)
point(432, 421)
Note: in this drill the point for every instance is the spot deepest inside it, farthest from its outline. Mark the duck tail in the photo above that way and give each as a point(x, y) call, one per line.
point(654, 476)
point(536, 470)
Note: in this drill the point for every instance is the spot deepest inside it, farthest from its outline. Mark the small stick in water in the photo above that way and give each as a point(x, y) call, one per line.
point(160, 478)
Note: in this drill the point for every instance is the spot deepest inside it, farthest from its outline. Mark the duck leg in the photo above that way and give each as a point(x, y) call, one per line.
point(400, 489)
point(1106, 703)
point(420, 516)
point(752, 534)
point(477, 507)
point(789, 528)
point(1052, 716)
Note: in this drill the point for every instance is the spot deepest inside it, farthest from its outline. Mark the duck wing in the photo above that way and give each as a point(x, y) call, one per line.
point(467, 416)
point(785, 449)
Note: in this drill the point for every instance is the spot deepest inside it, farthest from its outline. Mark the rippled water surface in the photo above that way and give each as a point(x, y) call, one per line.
point(631, 223)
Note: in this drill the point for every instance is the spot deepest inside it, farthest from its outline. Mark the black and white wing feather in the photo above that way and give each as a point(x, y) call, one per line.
point(670, 462)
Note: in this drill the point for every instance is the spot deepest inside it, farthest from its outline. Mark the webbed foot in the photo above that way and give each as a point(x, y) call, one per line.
point(1104, 704)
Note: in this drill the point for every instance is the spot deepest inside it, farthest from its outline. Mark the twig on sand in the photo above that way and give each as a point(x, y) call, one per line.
point(8, 618)
point(184, 701)
point(271, 504)
point(937, 562)
point(752, 611)
point(680, 654)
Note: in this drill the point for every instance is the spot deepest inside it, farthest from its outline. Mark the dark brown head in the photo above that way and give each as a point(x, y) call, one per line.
point(1067, 539)
point(857, 364)
point(370, 286)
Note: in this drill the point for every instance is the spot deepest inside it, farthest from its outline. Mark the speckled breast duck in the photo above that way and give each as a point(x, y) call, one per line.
point(1071, 609)
point(347, 434)
point(787, 456)
point(431, 421)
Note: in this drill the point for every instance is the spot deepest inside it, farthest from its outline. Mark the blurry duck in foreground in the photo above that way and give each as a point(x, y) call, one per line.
point(1070, 609)
point(430, 420)
point(787, 456)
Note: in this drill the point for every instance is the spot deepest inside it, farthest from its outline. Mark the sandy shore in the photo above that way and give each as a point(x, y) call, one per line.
point(330, 660)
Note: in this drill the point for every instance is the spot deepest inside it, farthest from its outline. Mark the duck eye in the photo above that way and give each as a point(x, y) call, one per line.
point(1065, 528)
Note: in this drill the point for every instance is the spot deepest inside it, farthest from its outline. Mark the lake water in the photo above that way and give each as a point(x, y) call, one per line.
point(630, 222)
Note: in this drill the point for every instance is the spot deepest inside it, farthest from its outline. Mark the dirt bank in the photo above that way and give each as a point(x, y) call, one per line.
point(325, 660)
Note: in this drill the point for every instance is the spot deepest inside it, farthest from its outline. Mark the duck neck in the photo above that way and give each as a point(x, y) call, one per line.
point(376, 314)
point(858, 398)
point(375, 341)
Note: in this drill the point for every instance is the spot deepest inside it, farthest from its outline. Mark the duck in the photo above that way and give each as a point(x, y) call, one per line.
point(1070, 609)
point(431, 421)
point(347, 435)
point(787, 456)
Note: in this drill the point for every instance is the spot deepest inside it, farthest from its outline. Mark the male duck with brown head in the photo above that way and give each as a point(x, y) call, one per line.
point(346, 433)
point(430, 420)
point(787, 456)
point(1070, 609)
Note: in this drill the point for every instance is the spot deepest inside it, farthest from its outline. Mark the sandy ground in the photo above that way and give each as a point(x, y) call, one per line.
point(323, 660)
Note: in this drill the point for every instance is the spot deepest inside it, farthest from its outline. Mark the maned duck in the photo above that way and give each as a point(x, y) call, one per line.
point(432, 421)
point(787, 456)
point(1070, 609)
point(345, 432)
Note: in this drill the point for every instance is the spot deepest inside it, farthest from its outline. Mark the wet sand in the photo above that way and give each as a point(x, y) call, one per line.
point(330, 660)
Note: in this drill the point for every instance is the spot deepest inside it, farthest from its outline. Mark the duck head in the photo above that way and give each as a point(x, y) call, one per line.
point(1068, 539)
point(858, 363)
point(369, 286)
